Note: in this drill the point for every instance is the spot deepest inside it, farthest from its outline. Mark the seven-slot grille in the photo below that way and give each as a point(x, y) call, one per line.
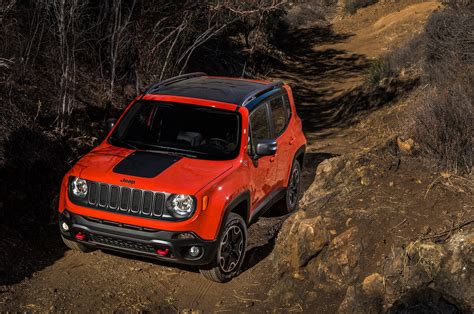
point(125, 200)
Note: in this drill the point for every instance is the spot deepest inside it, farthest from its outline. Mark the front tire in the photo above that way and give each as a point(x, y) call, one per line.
point(292, 196)
point(230, 252)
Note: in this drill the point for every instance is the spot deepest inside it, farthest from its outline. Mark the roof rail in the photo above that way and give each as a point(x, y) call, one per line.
point(154, 87)
point(253, 95)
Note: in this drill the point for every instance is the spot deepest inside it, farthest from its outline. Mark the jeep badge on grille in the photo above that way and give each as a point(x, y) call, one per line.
point(127, 181)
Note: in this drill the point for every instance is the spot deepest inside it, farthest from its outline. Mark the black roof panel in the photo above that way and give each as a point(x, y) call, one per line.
point(211, 88)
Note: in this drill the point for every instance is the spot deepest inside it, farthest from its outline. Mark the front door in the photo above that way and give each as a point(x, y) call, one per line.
point(263, 169)
point(280, 113)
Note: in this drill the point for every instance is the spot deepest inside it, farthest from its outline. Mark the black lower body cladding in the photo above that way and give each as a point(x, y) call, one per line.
point(135, 240)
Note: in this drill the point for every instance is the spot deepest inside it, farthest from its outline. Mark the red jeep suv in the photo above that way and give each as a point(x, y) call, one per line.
point(185, 170)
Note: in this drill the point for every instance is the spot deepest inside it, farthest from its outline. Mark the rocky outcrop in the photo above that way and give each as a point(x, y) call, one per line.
point(350, 172)
point(425, 276)
point(304, 239)
point(445, 268)
point(342, 258)
point(337, 246)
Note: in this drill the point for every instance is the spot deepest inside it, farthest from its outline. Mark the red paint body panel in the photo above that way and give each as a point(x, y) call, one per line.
point(221, 181)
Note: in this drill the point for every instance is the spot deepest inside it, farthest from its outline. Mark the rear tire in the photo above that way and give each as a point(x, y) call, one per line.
point(289, 203)
point(76, 246)
point(230, 252)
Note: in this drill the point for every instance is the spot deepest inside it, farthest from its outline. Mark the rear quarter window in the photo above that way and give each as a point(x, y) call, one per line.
point(280, 114)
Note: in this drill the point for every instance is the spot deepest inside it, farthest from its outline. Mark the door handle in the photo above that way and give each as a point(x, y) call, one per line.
point(292, 140)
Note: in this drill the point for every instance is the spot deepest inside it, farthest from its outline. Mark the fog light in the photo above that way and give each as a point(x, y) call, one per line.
point(194, 251)
point(162, 251)
point(80, 236)
point(65, 226)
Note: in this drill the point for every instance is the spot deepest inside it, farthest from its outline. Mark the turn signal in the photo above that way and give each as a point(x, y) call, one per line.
point(205, 201)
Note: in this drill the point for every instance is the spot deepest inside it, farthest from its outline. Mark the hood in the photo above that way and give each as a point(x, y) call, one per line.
point(148, 170)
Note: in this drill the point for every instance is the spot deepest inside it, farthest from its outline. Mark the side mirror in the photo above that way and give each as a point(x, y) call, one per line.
point(109, 124)
point(265, 148)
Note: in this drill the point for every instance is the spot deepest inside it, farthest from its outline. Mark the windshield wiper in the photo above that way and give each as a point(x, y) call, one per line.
point(179, 154)
point(123, 142)
point(166, 150)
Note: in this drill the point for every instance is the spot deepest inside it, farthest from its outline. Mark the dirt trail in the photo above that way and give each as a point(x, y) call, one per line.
point(326, 67)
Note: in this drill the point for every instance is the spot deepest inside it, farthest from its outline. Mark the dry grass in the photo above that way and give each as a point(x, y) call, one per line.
point(443, 55)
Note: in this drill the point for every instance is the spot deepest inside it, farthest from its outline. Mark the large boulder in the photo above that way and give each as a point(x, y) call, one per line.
point(342, 259)
point(350, 172)
point(300, 240)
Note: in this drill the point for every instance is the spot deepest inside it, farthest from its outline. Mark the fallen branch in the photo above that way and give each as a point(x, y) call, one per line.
point(446, 232)
point(398, 225)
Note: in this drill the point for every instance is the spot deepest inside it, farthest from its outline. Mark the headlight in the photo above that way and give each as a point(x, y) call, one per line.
point(180, 205)
point(79, 187)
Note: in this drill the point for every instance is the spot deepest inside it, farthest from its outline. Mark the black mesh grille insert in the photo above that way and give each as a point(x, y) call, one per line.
point(114, 196)
point(125, 199)
point(158, 204)
point(93, 193)
point(104, 191)
point(136, 195)
point(147, 201)
point(126, 244)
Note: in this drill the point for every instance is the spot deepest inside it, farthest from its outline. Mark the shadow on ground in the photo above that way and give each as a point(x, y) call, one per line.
point(31, 173)
point(426, 300)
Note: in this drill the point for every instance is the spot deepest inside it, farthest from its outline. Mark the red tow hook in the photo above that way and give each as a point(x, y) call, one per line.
point(80, 236)
point(162, 251)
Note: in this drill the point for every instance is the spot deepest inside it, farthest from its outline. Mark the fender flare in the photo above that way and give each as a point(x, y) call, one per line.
point(300, 152)
point(244, 196)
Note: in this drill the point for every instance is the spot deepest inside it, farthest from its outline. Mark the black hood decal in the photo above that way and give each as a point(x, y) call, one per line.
point(145, 164)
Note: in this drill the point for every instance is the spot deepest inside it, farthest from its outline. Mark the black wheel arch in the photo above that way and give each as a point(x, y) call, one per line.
point(299, 155)
point(239, 205)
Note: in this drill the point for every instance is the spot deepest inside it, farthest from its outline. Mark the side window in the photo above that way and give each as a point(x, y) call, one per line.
point(287, 105)
point(259, 126)
point(281, 113)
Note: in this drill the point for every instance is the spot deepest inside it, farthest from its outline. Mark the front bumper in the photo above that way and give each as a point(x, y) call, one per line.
point(136, 240)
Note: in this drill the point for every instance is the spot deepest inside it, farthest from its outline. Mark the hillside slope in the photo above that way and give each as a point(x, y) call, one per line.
point(378, 229)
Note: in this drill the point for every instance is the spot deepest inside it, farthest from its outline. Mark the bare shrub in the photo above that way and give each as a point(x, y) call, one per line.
point(444, 122)
point(449, 46)
point(457, 3)
point(408, 56)
point(66, 17)
point(444, 127)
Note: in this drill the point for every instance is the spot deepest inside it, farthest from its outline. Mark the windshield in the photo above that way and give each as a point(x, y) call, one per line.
point(181, 129)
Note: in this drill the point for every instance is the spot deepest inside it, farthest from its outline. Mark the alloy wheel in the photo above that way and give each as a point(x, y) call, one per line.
point(231, 249)
point(293, 187)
